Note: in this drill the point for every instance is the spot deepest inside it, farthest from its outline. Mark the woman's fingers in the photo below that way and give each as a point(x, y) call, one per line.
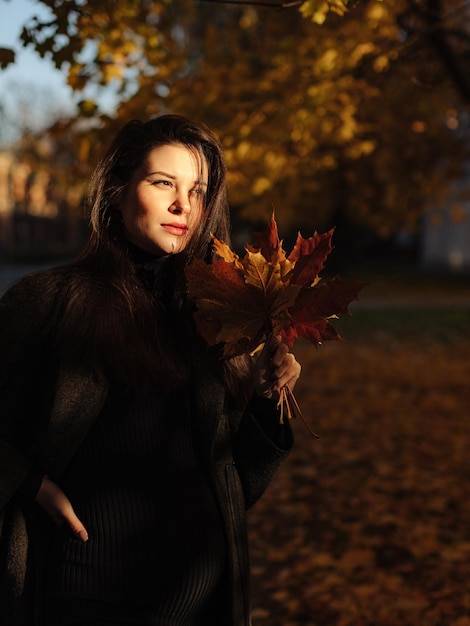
point(76, 525)
point(54, 501)
point(287, 372)
point(275, 368)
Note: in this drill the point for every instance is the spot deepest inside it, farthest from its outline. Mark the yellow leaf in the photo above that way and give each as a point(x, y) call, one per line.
point(226, 253)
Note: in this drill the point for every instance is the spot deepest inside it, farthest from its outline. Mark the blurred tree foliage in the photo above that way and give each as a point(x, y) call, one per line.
point(328, 110)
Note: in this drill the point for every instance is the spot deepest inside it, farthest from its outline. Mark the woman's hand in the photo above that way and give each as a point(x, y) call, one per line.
point(54, 501)
point(275, 367)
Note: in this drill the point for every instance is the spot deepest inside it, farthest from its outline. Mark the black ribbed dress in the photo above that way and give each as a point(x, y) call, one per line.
point(156, 550)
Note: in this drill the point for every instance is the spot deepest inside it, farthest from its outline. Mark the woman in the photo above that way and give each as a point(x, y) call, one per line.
point(129, 451)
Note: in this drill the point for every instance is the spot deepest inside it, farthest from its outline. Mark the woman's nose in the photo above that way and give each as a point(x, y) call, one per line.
point(181, 203)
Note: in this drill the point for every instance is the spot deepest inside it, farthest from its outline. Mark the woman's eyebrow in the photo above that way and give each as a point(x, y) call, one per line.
point(172, 177)
point(162, 173)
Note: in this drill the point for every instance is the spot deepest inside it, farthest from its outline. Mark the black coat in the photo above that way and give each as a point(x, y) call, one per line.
point(47, 408)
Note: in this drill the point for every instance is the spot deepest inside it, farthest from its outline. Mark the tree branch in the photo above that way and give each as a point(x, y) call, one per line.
point(260, 3)
point(438, 36)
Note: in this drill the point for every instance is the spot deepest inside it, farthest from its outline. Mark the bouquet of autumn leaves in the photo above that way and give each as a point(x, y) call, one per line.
point(241, 301)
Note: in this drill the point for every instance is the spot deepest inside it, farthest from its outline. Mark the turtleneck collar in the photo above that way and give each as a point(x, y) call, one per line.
point(153, 270)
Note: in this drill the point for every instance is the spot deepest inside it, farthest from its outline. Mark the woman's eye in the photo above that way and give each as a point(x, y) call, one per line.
point(161, 183)
point(199, 191)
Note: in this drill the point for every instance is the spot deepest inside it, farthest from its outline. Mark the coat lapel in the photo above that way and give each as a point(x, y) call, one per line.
point(208, 397)
point(78, 401)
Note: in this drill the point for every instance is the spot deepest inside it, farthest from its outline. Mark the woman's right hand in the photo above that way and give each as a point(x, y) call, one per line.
point(54, 501)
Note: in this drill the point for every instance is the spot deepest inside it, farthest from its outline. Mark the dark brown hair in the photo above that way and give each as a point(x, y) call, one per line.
point(108, 318)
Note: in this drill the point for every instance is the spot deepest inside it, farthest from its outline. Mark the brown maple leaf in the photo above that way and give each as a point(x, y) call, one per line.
point(308, 257)
point(316, 305)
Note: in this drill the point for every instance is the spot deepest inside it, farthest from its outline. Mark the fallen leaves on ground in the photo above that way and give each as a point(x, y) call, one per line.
point(370, 525)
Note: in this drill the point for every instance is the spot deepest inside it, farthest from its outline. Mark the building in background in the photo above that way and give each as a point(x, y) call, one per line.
point(39, 214)
point(445, 243)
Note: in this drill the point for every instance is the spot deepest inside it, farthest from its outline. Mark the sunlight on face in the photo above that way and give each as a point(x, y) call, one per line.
point(164, 200)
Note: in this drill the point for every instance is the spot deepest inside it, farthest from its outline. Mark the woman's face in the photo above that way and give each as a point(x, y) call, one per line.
point(164, 201)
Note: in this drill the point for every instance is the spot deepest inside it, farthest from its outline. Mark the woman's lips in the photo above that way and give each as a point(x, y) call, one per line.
point(176, 229)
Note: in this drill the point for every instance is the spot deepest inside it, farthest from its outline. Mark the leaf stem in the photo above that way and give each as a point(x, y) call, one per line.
point(287, 400)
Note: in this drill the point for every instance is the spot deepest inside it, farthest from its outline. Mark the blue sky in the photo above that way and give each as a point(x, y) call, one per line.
point(29, 69)
point(32, 83)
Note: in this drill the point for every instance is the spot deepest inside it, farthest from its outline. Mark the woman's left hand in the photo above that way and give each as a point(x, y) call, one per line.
point(275, 367)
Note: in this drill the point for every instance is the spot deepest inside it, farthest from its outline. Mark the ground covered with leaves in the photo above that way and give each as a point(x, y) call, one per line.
point(370, 525)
